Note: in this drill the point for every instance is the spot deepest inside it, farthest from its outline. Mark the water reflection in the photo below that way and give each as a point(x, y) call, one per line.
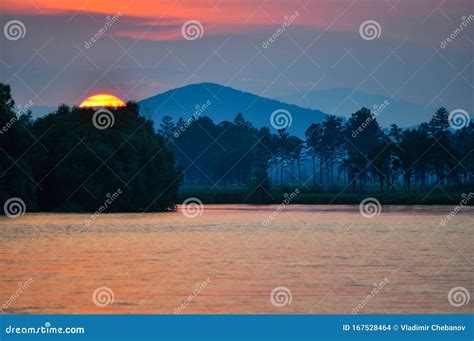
point(330, 259)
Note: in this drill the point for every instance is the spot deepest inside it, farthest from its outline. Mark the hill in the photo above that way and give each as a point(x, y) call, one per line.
point(344, 102)
point(225, 104)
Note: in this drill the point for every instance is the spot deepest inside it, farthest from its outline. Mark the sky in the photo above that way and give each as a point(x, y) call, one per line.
point(144, 50)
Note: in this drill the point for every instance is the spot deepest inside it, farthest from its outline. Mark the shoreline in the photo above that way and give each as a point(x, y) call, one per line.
point(340, 208)
point(242, 196)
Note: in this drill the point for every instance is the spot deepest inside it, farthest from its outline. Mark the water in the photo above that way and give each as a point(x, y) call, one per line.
point(227, 261)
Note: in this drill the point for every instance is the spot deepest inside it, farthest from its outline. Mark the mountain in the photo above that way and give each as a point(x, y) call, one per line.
point(344, 102)
point(224, 104)
point(36, 111)
point(39, 111)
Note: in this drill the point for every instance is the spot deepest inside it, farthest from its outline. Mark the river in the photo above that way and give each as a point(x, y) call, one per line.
point(238, 259)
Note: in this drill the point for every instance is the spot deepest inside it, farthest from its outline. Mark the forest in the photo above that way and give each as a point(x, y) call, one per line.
point(63, 162)
point(354, 155)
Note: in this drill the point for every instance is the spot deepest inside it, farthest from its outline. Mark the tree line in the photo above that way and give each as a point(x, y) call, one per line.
point(355, 152)
point(430, 154)
point(63, 162)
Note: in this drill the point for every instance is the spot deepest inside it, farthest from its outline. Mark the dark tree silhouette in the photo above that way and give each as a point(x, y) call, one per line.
point(332, 142)
point(16, 176)
point(314, 137)
point(62, 162)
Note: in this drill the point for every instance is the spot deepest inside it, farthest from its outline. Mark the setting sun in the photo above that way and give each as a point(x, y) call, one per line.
point(102, 100)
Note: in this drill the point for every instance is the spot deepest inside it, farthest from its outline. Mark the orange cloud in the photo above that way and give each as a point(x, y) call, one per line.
point(243, 16)
point(213, 12)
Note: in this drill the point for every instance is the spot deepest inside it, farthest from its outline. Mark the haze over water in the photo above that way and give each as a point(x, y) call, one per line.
point(329, 258)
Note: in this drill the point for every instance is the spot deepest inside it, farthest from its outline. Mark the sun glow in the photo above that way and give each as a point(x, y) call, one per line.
point(102, 100)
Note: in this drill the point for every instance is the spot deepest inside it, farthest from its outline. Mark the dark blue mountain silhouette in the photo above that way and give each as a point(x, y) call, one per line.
point(225, 104)
point(344, 102)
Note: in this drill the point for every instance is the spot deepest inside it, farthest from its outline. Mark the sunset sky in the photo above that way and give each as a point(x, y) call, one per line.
point(144, 52)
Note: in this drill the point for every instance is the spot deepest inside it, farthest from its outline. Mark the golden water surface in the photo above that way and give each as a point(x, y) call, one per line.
point(328, 259)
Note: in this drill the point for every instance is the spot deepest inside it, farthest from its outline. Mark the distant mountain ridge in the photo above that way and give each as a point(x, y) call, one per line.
point(344, 102)
point(225, 104)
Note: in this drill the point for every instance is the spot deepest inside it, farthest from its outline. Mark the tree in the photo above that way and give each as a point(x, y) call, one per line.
point(77, 164)
point(230, 153)
point(314, 136)
point(381, 163)
point(167, 128)
point(282, 150)
point(292, 152)
point(332, 141)
point(462, 143)
point(16, 139)
point(442, 160)
point(362, 133)
point(413, 153)
point(439, 122)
